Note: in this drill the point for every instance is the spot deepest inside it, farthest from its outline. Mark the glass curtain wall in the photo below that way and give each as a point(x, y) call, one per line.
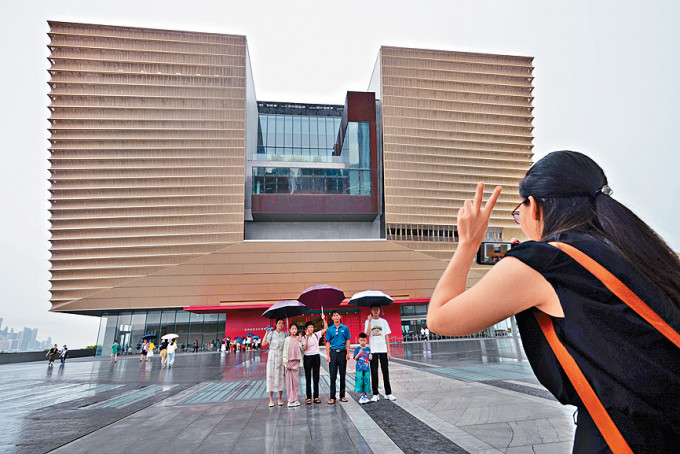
point(355, 180)
point(413, 320)
point(291, 180)
point(182, 328)
point(297, 135)
point(356, 150)
point(128, 328)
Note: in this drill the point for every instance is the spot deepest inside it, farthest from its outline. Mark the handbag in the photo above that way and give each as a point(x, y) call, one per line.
point(598, 413)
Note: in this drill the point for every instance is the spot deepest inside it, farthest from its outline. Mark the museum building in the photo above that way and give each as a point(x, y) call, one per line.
point(182, 203)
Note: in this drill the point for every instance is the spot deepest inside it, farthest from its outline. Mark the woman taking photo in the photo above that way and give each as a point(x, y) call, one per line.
point(597, 298)
point(275, 339)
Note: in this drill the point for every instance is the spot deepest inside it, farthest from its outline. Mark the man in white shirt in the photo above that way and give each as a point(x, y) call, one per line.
point(378, 332)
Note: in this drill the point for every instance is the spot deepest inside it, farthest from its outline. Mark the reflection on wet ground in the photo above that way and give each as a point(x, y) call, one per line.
point(473, 395)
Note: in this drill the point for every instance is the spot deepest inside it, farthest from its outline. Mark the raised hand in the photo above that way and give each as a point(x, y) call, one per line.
point(473, 219)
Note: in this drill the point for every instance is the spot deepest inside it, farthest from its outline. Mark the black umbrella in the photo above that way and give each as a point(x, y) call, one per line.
point(149, 336)
point(285, 309)
point(370, 298)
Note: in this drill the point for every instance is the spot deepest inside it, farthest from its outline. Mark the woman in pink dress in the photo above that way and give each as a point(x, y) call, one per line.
point(292, 354)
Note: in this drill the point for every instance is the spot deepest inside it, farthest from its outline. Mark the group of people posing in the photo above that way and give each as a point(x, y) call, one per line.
point(288, 350)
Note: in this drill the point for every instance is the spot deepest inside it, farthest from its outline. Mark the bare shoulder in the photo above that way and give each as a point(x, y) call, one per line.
point(523, 287)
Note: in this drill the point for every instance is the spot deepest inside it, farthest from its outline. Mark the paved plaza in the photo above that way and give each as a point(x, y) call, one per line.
point(474, 395)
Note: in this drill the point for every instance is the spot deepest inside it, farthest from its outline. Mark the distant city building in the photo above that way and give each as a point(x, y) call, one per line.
point(24, 340)
point(180, 203)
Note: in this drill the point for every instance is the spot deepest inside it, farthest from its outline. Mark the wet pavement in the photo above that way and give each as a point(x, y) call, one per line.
point(475, 395)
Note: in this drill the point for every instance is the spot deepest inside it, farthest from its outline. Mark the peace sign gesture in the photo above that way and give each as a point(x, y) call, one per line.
point(473, 219)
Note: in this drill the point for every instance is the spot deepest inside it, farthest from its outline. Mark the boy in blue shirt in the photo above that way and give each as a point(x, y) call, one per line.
point(362, 381)
point(337, 354)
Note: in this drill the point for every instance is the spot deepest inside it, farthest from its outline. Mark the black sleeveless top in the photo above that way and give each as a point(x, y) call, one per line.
point(633, 369)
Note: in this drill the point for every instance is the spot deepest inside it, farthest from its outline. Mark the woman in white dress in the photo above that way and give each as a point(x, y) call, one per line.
point(275, 383)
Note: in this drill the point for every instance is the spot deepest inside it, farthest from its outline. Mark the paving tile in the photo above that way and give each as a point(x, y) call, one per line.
point(503, 415)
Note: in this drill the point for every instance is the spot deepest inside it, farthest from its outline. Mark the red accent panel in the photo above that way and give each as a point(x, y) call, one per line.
point(246, 321)
point(224, 309)
point(240, 322)
point(360, 106)
point(313, 204)
point(412, 301)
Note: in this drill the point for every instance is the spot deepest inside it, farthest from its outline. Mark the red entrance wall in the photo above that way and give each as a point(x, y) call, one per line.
point(240, 322)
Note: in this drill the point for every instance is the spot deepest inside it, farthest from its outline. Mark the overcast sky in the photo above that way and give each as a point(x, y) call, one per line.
point(606, 83)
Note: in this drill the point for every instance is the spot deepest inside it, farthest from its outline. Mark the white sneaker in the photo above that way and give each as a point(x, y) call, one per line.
point(391, 397)
point(375, 398)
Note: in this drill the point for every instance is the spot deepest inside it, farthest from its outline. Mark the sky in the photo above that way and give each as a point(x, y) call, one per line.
point(606, 84)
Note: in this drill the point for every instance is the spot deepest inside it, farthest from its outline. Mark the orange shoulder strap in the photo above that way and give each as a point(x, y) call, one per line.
point(596, 410)
point(620, 289)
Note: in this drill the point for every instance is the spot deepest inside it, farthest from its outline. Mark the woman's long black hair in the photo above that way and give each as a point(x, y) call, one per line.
point(567, 186)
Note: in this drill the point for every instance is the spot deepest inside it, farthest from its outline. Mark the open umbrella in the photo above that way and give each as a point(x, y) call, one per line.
point(321, 295)
point(370, 298)
point(285, 309)
point(149, 336)
point(256, 337)
point(238, 340)
point(170, 336)
point(249, 334)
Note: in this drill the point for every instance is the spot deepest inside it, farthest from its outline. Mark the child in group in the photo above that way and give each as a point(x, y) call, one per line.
point(362, 380)
point(292, 354)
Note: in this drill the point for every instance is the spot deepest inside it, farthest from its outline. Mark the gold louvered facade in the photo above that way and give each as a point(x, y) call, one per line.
point(451, 119)
point(148, 139)
point(149, 136)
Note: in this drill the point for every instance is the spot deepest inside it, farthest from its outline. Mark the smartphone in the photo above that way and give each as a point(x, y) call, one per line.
point(491, 253)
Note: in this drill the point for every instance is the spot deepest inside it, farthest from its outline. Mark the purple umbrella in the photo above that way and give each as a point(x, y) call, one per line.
point(318, 296)
point(285, 309)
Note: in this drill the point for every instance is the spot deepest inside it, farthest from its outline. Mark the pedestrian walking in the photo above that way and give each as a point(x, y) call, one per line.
point(292, 354)
point(63, 355)
point(144, 350)
point(149, 354)
point(172, 348)
point(362, 380)
point(195, 346)
point(596, 293)
point(275, 339)
point(378, 332)
point(114, 351)
point(163, 352)
point(51, 354)
point(337, 354)
point(312, 359)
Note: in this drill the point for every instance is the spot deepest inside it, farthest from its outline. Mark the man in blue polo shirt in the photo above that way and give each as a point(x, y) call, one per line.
point(337, 354)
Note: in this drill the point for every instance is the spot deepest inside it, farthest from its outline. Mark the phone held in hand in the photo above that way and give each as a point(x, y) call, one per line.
point(491, 253)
